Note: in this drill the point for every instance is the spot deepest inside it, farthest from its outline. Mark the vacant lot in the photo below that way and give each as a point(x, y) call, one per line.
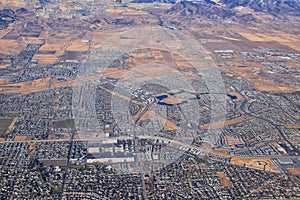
point(295, 171)
point(4, 124)
point(67, 123)
point(255, 163)
point(21, 138)
point(224, 180)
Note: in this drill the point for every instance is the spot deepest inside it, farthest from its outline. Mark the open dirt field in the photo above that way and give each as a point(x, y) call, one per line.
point(289, 40)
point(30, 85)
point(255, 163)
point(267, 83)
point(114, 73)
point(295, 171)
point(221, 124)
point(224, 179)
point(292, 126)
point(78, 45)
point(44, 59)
point(168, 126)
point(207, 147)
point(232, 141)
point(11, 47)
point(172, 100)
point(21, 138)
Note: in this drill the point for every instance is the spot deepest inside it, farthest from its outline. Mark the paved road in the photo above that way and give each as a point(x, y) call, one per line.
point(68, 164)
point(184, 146)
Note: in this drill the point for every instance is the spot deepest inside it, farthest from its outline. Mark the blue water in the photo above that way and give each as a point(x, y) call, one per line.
point(162, 97)
point(164, 104)
point(232, 96)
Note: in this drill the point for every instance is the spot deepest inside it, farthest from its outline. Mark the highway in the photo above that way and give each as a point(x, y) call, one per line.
point(184, 146)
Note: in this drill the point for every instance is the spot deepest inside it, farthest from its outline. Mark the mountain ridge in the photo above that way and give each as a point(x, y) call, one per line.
point(229, 8)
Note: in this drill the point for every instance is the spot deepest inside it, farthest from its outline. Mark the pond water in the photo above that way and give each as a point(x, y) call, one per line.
point(232, 96)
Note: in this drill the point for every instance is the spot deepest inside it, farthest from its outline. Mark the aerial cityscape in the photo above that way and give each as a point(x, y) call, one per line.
point(150, 99)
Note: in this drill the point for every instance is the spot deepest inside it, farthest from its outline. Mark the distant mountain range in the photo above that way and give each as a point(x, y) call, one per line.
point(208, 9)
point(274, 7)
point(229, 8)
